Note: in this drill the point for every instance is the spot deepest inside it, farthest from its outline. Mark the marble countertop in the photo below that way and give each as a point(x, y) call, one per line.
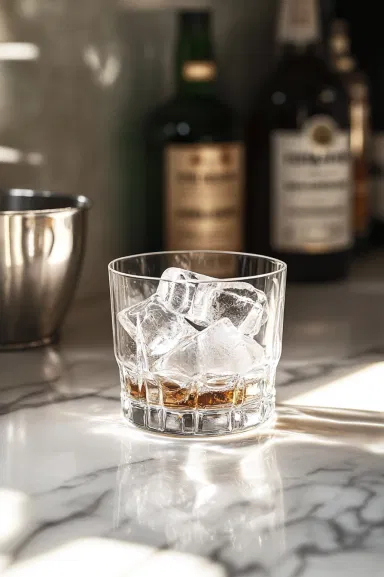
point(82, 493)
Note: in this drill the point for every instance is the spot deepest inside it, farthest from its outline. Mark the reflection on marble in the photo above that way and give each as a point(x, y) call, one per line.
point(180, 497)
point(82, 492)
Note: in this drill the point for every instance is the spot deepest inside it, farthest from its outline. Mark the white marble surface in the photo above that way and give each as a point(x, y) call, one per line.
point(82, 493)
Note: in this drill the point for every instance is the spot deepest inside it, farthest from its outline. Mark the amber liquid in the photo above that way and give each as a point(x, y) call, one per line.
point(217, 394)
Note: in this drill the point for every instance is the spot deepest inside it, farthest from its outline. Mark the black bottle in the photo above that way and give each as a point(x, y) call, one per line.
point(299, 163)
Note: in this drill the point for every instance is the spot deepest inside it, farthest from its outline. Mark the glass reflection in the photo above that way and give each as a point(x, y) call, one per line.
point(200, 497)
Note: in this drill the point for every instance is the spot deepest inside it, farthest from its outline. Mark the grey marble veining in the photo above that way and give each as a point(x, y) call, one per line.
point(83, 493)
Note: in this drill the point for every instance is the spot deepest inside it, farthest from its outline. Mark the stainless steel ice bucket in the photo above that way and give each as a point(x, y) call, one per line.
point(42, 242)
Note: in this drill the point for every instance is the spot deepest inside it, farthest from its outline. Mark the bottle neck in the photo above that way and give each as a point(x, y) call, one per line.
point(195, 65)
point(343, 64)
point(339, 48)
point(299, 29)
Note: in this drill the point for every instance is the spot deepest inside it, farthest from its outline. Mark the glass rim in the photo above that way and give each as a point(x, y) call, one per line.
point(281, 264)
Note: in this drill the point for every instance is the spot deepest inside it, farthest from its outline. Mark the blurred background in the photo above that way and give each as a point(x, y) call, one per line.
point(79, 80)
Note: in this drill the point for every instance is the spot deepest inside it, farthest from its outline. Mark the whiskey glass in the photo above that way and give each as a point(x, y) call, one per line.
point(197, 339)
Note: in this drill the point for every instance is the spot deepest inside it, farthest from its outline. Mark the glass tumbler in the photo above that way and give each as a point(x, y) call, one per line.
point(197, 353)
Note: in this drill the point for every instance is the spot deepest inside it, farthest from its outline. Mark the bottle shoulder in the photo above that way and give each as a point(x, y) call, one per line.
point(304, 77)
point(301, 87)
point(191, 119)
point(179, 108)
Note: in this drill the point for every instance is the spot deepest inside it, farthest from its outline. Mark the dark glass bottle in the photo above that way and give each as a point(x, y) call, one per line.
point(195, 165)
point(366, 40)
point(299, 165)
point(356, 84)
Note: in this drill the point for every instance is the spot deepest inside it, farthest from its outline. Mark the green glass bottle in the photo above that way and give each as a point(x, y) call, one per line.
point(195, 167)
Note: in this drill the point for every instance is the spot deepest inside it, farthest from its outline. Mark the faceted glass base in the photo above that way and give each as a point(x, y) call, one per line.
point(197, 422)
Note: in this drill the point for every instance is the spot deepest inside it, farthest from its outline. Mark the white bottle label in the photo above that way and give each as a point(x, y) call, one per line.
point(311, 189)
point(378, 176)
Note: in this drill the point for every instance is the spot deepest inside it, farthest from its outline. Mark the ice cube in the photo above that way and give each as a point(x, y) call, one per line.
point(207, 302)
point(240, 302)
point(155, 328)
point(178, 296)
point(142, 357)
point(219, 349)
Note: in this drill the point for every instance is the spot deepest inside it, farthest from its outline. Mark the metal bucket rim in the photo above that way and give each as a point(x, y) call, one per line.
point(75, 202)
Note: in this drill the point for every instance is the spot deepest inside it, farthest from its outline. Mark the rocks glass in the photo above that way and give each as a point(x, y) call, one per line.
point(197, 353)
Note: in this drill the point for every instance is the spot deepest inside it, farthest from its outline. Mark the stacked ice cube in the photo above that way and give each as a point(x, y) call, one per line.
point(198, 328)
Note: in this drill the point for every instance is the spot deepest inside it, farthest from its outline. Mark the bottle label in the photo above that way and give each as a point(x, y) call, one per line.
point(378, 176)
point(204, 196)
point(299, 22)
point(199, 71)
point(312, 188)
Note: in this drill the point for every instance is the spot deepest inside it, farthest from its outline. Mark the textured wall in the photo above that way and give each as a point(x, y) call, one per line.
point(100, 61)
